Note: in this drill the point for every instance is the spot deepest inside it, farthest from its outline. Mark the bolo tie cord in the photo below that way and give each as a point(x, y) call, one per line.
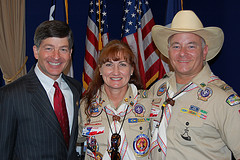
point(122, 122)
point(171, 101)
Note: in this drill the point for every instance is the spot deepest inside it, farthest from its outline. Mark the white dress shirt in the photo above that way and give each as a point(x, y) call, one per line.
point(47, 84)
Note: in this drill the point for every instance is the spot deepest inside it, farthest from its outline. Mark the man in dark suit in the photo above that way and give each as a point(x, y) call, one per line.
point(35, 122)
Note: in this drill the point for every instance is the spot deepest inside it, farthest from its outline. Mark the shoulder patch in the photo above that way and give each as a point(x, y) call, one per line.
point(233, 100)
point(162, 89)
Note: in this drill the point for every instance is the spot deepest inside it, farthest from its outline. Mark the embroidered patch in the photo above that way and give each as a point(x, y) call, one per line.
point(154, 112)
point(139, 110)
point(204, 95)
point(141, 145)
point(93, 148)
point(162, 89)
point(138, 120)
point(99, 156)
point(201, 114)
point(94, 109)
point(194, 108)
point(233, 100)
point(89, 131)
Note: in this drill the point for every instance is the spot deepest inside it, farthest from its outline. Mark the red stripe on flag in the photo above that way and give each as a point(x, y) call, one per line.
point(149, 50)
point(92, 38)
point(90, 60)
point(147, 28)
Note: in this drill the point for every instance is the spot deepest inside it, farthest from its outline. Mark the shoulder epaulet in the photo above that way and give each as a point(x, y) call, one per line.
point(225, 87)
point(165, 76)
point(222, 85)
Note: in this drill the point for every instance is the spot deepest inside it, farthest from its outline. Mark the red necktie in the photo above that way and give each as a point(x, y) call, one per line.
point(61, 112)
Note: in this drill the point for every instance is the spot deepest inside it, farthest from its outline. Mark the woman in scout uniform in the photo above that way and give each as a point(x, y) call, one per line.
point(114, 114)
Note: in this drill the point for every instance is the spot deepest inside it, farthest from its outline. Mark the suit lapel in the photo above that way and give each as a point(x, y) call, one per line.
point(76, 97)
point(42, 105)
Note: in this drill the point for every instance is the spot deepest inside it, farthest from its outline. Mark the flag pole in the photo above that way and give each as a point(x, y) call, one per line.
point(99, 26)
point(182, 4)
point(66, 8)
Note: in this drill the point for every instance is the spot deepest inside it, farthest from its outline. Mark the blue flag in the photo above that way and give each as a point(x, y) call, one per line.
point(173, 6)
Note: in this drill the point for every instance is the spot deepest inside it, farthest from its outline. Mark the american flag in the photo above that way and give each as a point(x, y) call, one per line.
point(59, 11)
point(96, 37)
point(136, 31)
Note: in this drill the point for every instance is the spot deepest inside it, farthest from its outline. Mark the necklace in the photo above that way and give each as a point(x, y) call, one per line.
point(115, 139)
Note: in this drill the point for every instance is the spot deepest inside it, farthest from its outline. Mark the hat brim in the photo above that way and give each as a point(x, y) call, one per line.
point(213, 37)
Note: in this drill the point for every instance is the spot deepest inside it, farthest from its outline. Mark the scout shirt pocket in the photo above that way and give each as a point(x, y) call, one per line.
point(96, 132)
point(188, 129)
point(138, 135)
point(138, 124)
point(195, 128)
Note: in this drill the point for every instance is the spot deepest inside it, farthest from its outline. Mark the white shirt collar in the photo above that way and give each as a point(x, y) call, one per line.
point(46, 81)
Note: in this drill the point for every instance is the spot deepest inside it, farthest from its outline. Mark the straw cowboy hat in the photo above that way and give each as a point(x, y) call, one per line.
point(187, 21)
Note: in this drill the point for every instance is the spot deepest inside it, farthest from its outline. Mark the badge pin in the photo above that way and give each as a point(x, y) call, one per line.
point(77, 103)
point(139, 110)
point(141, 145)
point(203, 84)
point(131, 103)
point(185, 134)
point(204, 95)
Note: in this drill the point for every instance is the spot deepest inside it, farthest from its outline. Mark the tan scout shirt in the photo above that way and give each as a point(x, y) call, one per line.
point(205, 121)
point(136, 124)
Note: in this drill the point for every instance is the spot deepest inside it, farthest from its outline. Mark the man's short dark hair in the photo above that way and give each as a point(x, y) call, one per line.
point(53, 28)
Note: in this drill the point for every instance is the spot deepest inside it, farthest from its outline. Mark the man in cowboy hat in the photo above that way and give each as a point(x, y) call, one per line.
point(201, 113)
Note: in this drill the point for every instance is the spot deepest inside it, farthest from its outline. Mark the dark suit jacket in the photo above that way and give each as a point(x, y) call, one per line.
point(29, 129)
